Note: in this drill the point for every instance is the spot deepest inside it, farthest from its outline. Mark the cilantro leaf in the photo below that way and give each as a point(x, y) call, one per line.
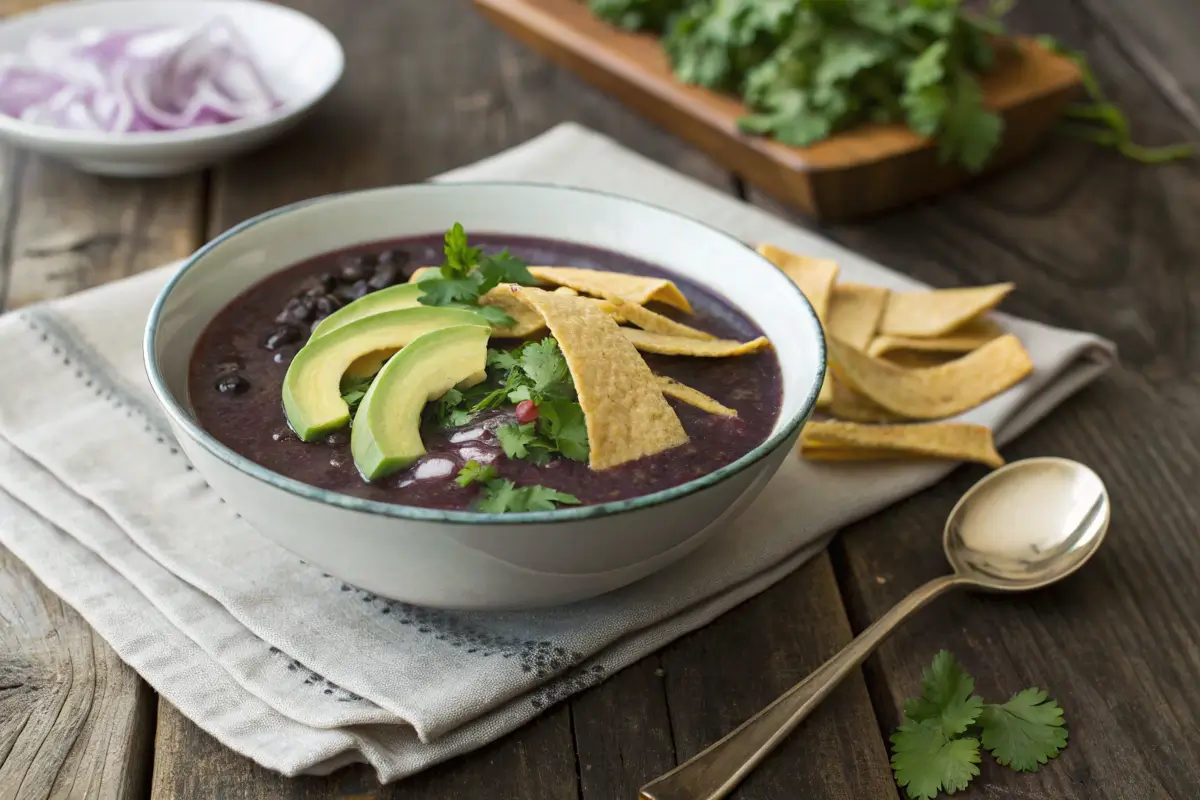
point(562, 423)
point(1025, 732)
point(501, 496)
point(946, 697)
point(925, 761)
point(474, 472)
point(543, 498)
point(447, 291)
point(544, 364)
point(496, 316)
point(500, 360)
point(516, 439)
point(504, 267)
point(460, 258)
point(354, 390)
point(448, 411)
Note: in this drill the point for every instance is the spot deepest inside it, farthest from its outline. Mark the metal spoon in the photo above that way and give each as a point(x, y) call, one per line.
point(1022, 527)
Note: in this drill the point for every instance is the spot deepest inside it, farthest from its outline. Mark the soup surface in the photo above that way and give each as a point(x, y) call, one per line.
point(238, 367)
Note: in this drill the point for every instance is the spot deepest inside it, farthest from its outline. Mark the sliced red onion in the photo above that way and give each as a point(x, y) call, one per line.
point(126, 81)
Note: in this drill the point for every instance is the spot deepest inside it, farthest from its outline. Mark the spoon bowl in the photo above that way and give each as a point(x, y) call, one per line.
point(1027, 525)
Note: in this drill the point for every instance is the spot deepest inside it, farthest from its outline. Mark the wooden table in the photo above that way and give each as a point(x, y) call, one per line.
point(1092, 242)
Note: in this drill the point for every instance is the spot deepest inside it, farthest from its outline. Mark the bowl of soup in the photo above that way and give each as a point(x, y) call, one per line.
point(484, 396)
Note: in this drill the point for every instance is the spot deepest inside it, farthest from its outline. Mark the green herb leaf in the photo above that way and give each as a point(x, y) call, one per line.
point(354, 390)
point(516, 439)
point(474, 472)
point(1025, 732)
point(947, 698)
point(460, 258)
point(466, 275)
point(501, 496)
point(545, 366)
point(925, 761)
point(504, 267)
point(562, 423)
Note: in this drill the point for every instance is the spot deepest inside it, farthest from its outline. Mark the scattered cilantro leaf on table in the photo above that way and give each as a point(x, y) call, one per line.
point(466, 274)
point(937, 746)
point(1025, 732)
point(474, 472)
point(502, 496)
point(926, 761)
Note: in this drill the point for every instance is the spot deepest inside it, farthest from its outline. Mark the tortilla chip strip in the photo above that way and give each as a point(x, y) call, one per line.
point(854, 313)
point(851, 406)
point(693, 397)
point(626, 414)
point(652, 321)
point(924, 315)
point(659, 343)
point(934, 392)
point(815, 277)
point(955, 441)
point(634, 288)
point(963, 339)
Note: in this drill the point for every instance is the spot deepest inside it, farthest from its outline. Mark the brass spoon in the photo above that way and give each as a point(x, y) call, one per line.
point(1024, 526)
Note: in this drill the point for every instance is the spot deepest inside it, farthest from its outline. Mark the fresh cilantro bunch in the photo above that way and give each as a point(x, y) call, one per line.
point(937, 747)
point(467, 274)
point(502, 496)
point(809, 69)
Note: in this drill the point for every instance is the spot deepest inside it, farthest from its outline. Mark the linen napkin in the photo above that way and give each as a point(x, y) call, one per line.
point(304, 673)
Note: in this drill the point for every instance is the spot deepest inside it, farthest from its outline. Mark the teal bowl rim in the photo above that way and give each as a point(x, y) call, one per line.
point(185, 420)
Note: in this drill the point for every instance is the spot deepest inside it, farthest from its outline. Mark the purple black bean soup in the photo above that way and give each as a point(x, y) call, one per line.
point(449, 374)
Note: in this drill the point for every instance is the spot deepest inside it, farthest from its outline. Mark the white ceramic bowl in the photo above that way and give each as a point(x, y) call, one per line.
point(462, 559)
point(300, 58)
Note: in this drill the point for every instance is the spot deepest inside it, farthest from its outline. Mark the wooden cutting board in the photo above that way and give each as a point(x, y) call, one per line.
point(861, 172)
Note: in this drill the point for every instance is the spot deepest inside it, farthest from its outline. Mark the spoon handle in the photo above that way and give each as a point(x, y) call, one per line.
point(714, 772)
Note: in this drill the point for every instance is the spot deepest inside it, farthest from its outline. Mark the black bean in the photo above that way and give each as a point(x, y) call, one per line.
point(353, 269)
point(232, 384)
point(326, 282)
point(351, 292)
point(385, 276)
point(326, 305)
point(396, 257)
point(284, 334)
point(297, 311)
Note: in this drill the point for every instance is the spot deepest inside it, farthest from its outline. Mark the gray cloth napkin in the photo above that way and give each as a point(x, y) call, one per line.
point(304, 673)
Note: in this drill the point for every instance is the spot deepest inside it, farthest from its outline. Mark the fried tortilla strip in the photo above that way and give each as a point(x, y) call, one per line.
point(963, 339)
point(816, 278)
point(924, 315)
point(623, 405)
point(955, 441)
point(854, 313)
point(659, 343)
point(934, 392)
point(851, 406)
point(634, 288)
point(652, 321)
point(693, 397)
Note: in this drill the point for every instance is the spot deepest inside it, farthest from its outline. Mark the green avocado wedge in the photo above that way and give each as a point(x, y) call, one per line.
point(386, 435)
point(312, 397)
point(394, 298)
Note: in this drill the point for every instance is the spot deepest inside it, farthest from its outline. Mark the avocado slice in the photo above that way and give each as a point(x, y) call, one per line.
point(312, 398)
point(394, 298)
point(386, 435)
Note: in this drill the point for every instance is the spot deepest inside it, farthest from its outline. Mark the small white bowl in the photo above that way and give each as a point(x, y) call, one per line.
point(300, 58)
point(464, 559)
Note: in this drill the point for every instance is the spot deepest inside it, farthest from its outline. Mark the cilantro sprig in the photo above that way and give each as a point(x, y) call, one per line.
point(937, 746)
point(467, 274)
point(502, 496)
point(354, 390)
point(809, 69)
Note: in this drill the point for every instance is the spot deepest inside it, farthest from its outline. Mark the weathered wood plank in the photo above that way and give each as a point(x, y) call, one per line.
point(1099, 243)
point(74, 720)
point(725, 673)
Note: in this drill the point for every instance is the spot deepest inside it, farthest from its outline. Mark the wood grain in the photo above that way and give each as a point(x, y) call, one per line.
point(1096, 242)
point(74, 720)
point(857, 173)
